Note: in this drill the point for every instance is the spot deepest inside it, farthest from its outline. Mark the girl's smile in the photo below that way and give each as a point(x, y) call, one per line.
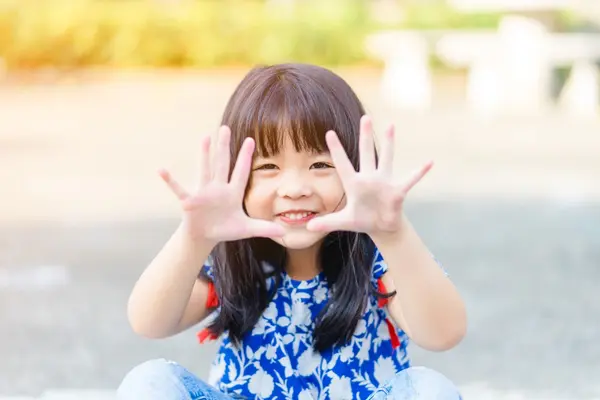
point(296, 217)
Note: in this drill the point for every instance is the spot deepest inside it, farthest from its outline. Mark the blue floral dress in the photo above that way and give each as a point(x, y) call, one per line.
point(276, 360)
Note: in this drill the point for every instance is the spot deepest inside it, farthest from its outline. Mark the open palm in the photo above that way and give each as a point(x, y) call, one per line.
point(374, 199)
point(214, 211)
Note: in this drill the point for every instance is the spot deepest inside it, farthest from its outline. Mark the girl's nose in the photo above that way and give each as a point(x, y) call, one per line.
point(294, 187)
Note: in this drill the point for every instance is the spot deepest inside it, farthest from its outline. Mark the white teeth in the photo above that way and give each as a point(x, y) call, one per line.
point(296, 216)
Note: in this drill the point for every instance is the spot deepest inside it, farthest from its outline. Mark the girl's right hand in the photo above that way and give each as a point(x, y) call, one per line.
point(214, 212)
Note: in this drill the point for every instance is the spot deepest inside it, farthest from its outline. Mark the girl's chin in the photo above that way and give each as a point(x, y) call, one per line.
point(300, 240)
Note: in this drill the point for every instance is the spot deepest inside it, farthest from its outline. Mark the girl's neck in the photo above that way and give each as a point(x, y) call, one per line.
point(303, 264)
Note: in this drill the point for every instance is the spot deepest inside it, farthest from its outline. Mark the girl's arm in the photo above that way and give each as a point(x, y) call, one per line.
point(427, 305)
point(168, 297)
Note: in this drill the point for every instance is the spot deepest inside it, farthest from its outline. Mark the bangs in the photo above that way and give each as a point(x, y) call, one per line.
point(297, 102)
point(287, 112)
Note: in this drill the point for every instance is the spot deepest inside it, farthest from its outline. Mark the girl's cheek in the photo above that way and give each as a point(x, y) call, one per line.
point(334, 184)
point(256, 183)
point(340, 204)
point(259, 191)
point(267, 182)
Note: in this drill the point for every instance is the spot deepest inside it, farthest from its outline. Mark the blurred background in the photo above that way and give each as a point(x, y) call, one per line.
point(503, 94)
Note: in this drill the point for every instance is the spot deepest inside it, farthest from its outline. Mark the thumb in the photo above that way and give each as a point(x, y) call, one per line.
point(338, 221)
point(262, 228)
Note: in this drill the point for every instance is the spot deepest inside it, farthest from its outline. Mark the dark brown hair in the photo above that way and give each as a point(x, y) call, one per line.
point(302, 102)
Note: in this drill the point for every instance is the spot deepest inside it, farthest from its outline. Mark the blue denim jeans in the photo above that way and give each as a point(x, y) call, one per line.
point(165, 380)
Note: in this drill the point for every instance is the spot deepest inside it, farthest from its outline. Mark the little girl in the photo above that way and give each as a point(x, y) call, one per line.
point(295, 242)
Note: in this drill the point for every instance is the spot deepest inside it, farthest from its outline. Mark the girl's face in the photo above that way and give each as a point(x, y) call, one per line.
point(292, 187)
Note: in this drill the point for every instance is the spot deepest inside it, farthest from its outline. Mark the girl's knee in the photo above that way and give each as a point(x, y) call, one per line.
point(154, 379)
point(419, 383)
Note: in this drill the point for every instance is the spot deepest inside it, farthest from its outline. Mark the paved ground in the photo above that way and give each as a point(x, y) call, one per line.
point(512, 209)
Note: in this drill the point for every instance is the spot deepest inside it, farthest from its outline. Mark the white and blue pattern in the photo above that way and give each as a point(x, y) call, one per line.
point(276, 360)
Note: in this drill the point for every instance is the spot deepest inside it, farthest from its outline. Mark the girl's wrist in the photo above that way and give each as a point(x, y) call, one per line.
point(191, 237)
point(388, 238)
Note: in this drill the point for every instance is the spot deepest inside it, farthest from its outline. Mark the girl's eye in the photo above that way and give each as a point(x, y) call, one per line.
point(265, 167)
point(321, 165)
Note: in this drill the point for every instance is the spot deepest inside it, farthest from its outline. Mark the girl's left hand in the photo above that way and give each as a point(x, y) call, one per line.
point(374, 199)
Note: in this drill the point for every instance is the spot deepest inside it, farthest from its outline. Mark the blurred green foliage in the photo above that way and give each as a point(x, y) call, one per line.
point(201, 33)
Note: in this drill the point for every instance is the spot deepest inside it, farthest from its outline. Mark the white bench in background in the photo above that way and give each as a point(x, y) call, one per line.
point(406, 81)
point(508, 70)
point(511, 69)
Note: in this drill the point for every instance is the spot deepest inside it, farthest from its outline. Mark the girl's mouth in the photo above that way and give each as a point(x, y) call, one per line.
point(296, 217)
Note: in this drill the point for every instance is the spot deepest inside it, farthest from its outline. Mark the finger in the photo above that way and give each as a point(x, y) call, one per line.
point(175, 187)
point(338, 221)
point(262, 228)
point(205, 160)
point(386, 162)
point(243, 164)
point(366, 145)
point(416, 176)
point(344, 167)
point(222, 157)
